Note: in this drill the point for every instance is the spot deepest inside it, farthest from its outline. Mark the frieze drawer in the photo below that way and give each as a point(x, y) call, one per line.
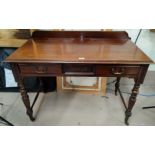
point(40, 68)
point(117, 70)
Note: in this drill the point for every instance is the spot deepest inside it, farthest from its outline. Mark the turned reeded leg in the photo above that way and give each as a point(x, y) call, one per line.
point(117, 84)
point(25, 98)
point(132, 101)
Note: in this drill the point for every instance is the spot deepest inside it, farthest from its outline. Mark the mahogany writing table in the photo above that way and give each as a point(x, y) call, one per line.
point(80, 53)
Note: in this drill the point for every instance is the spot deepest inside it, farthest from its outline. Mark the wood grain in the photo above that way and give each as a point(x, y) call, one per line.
point(110, 47)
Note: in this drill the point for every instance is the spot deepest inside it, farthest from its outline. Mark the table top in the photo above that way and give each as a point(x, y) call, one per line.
point(80, 47)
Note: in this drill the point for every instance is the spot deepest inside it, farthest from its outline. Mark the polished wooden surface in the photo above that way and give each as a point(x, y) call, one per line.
point(80, 47)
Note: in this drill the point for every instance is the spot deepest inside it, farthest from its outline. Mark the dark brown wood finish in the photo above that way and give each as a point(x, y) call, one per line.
point(80, 34)
point(80, 53)
point(70, 47)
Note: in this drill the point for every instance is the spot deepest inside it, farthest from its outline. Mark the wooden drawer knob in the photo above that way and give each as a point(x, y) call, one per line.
point(40, 69)
point(115, 72)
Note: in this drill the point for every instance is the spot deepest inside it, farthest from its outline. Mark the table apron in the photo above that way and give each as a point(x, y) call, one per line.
point(92, 70)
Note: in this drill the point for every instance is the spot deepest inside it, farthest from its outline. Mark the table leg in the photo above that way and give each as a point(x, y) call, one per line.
point(25, 98)
point(132, 101)
point(117, 84)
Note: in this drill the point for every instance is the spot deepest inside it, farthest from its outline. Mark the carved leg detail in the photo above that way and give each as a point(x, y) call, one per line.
point(132, 101)
point(25, 99)
point(117, 85)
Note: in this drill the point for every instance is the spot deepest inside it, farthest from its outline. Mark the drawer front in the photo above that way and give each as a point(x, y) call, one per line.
point(117, 70)
point(78, 69)
point(40, 69)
